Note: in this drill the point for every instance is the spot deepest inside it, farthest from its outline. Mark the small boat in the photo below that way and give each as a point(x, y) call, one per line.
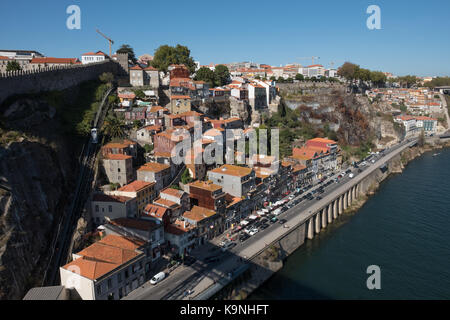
point(436, 154)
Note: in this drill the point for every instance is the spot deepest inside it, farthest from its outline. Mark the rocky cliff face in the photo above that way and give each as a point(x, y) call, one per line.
point(37, 172)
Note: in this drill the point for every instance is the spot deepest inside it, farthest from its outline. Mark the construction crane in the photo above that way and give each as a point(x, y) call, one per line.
point(312, 58)
point(111, 42)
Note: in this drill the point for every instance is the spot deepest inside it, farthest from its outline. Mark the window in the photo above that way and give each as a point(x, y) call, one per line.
point(109, 283)
point(99, 289)
point(119, 277)
point(110, 208)
point(96, 208)
point(126, 274)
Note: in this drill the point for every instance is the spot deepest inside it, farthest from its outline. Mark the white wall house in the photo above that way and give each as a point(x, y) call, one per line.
point(92, 57)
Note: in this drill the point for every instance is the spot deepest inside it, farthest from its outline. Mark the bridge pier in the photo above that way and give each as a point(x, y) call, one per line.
point(341, 204)
point(330, 212)
point(354, 193)
point(345, 200)
point(317, 222)
point(335, 208)
point(323, 213)
point(310, 229)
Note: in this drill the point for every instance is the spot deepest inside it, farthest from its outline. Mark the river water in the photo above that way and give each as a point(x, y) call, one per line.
point(404, 229)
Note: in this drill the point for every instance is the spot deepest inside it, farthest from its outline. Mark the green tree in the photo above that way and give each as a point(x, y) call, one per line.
point(273, 78)
point(378, 78)
point(166, 55)
point(148, 148)
point(186, 177)
point(139, 94)
point(114, 127)
point(221, 75)
point(349, 71)
point(106, 77)
point(205, 74)
point(299, 77)
point(125, 48)
point(13, 66)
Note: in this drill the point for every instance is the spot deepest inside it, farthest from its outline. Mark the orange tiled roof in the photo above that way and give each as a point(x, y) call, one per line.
point(155, 211)
point(229, 169)
point(173, 192)
point(54, 60)
point(105, 255)
point(154, 167)
point(206, 185)
point(135, 186)
point(111, 156)
point(198, 213)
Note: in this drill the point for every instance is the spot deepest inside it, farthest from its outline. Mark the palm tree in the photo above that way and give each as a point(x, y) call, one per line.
point(114, 127)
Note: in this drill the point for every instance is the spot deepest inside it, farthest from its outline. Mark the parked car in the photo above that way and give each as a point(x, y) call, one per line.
point(318, 198)
point(282, 221)
point(264, 226)
point(351, 175)
point(157, 278)
point(228, 246)
point(211, 259)
point(253, 231)
point(188, 260)
point(243, 237)
point(273, 220)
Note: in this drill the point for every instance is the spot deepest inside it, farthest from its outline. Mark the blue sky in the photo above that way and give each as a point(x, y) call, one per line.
point(414, 38)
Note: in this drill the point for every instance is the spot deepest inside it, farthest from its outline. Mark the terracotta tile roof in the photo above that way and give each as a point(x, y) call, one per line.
point(54, 60)
point(136, 186)
point(127, 95)
point(99, 197)
point(154, 167)
point(150, 69)
point(166, 203)
point(136, 68)
point(98, 53)
point(229, 169)
point(154, 210)
point(322, 140)
point(205, 185)
point(198, 213)
point(115, 145)
point(173, 192)
point(4, 58)
point(179, 97)
point(178, 227)
point(105, 255)
point(111, 156)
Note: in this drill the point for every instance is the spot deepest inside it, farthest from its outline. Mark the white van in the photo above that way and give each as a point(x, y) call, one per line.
point(158, 278)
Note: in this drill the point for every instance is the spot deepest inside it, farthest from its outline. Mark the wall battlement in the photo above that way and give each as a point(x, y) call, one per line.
point(53, 78)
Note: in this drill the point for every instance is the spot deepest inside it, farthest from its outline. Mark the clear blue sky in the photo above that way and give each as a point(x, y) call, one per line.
point(414, 38)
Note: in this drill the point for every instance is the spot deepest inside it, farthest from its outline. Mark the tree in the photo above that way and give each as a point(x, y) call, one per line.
point(114, 127)
point(166, 55)
point(13, 66)
point(273, 78)
point(186, 177)
point(139, 94)
point(349, 71)
point(205, 74)
point(221, 75)
point(106, 77)
point(378, 78)
point(299, 77)
point(125, 48)
point(363, 74)
point(421, 141)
